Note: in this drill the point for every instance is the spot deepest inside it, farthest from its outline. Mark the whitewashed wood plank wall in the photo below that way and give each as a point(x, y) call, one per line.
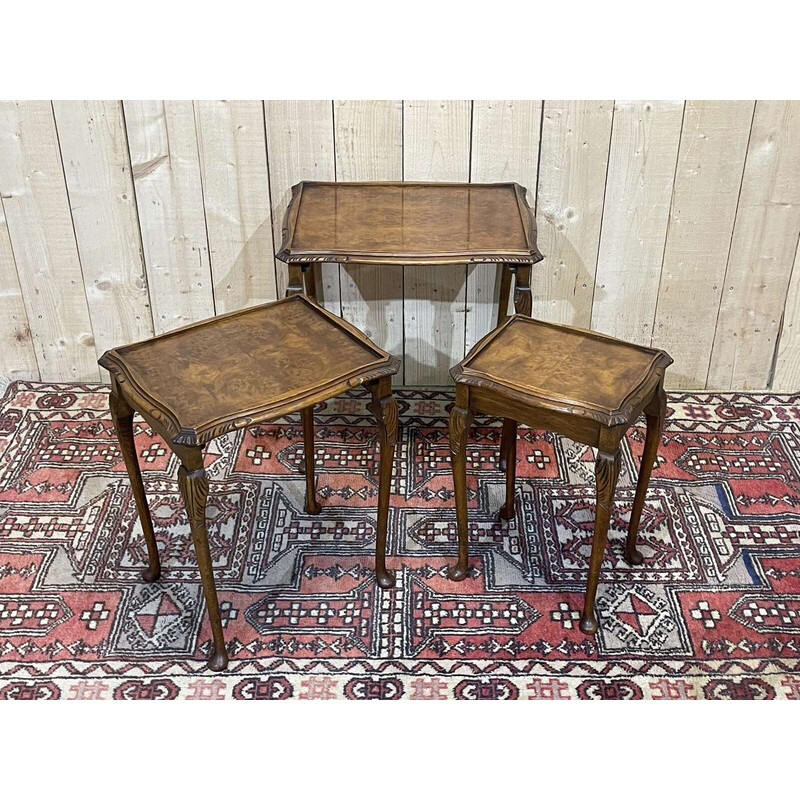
point(666, 222)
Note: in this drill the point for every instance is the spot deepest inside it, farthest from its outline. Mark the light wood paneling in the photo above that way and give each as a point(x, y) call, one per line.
point(661, 222)
point(169, 196)
point(17, 356)
point(762, 251)
point(572, 183)
point(369, 147)
point(436, 143)
point(705, 196)
point(644, 149)
point(787, 362)
point(233, 165)
point(37, 212)
point(505, 147)
point(300, 147)
point(94, 153)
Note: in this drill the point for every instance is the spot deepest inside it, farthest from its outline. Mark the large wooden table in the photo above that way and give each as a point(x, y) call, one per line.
point(412, 223)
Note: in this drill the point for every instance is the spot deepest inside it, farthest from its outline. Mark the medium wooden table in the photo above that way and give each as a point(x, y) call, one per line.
point(236, 370)
point(412, 223)
point(578, 383)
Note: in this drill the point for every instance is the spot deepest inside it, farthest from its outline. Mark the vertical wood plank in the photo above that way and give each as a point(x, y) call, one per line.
point(787, 364)
point(505, 147)
point(369, 147)
point(436, 143)
point(644, 149)
point(34, 197)
point(762, 251)
point(707, 181)
point(94, 153)
point(169, 197)
point(300, 147)
point(233, 166)
point(569, 208)
point(17, 356)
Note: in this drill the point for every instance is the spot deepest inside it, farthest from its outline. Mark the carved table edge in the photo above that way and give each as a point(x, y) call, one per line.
point(191, 437)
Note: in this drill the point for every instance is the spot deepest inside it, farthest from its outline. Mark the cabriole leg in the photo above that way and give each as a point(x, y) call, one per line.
point(505, 293)
point(654, 414)
point(384, 407)
point(509, 447)
point(193, 483)
point(307, 414)
point(122, 414)
point(523, 303)
point(460, 422)
point(606, 472)
point(295, 283)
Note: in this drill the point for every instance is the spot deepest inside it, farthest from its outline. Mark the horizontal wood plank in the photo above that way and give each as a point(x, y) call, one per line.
point(762, 251)
point(505, 147)
point(169, 197)
point(436, 142)
point(644, 149)
point(300, 148)
point(94, 150)
point(34, 195)
point(569, 209)
point(17, 355)
point(369, 147)
point(233, 166)
point(705, 197)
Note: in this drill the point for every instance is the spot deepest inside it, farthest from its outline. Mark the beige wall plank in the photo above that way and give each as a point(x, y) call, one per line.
point(505, 147)
point(369, 147)
point(169, 196)
point(762, 251)
point(707, 181)
point(34, 197)
point(644, 150)
point(17, 356)
point(436, 142)
point(94, 152)
point(572, 183)
point(300, 147)
point(787, 364)
point(233, 166)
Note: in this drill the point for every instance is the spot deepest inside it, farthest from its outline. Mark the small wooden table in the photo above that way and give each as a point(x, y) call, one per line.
point(412, 223)
point(579, 383)
point(236, 370)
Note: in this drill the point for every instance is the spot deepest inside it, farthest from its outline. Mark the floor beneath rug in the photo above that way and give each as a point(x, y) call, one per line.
point(713, 612)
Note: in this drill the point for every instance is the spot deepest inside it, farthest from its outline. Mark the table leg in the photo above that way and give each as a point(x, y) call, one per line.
point(523, 303)
point(310, 275)
point(384, 407)
point(307, 414)
point(193, 483)
point(505, 293)
point(460, 422)
point(509, 445)
point(606, 470)
point(122, 414)
point(295, 285)
point(654, 414)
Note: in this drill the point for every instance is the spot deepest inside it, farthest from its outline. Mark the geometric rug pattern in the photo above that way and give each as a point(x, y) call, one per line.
point(713, 612)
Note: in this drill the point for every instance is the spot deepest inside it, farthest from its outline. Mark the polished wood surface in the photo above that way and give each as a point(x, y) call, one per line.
point(578, 383)
point(564, 366)
point(409, 223)
point(241, 368)
point(250, 366)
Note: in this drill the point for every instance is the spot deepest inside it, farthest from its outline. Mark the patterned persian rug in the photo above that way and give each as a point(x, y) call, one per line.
point(713, 612)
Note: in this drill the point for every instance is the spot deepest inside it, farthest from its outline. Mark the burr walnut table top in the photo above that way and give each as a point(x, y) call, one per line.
point(409, 223)
point(564, 369)
point(246, 367)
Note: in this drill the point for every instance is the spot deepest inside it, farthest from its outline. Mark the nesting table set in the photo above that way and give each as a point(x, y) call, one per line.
point(258, 364)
